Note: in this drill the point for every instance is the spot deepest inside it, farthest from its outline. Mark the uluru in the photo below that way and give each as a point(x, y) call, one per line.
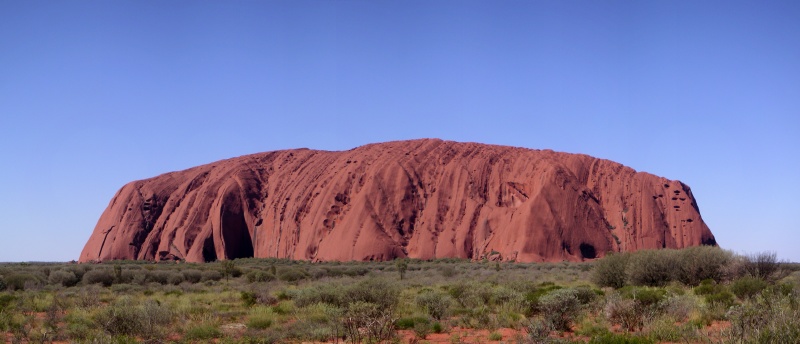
point(422, 199)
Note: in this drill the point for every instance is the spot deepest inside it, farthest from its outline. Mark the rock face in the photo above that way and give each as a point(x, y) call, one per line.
point(420, 199)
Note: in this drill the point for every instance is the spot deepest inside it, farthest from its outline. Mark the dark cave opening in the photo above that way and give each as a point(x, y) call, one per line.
point(588, 251)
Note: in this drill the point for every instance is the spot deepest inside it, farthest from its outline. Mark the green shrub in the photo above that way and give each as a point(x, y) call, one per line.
point(646, 297)
point(495, 336)
point(79, 325)
point(422, 330)
point(3, 284)
point(560, 307)
point(259, 276)
point(586, 294)
point(368, 322)
point(192, 275)
point(158, 276)
point(408, 322)
point(632, 307)
point(695, 264)
point(502, 296)
point(771, 317)
point(259, 322)
point(437, 327)
point(748, 287)
point(21, 280)
point(765, 266)
point(175, 278)
point(99, 276)
point(448, 271)
point(248, 298)
point(707, 287)
point(127, 317)
point(614, 338)
point(330, 293)
point(63, 277)
point(211, 275)
point(373, 290)
point(436, 304)
point(471, 294)
point(652, 267)
point(611, 270)
point(724, 298)
point(539, 331)
point(679, 307)
point(291, 274)
point(202, 332)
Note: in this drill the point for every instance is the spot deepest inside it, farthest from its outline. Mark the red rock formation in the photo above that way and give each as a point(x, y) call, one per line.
point(421, 199)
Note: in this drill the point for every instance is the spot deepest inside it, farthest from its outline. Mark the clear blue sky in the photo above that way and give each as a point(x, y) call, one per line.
point(94, 94)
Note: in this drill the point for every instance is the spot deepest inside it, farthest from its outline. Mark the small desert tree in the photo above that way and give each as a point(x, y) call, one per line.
point(402, 267)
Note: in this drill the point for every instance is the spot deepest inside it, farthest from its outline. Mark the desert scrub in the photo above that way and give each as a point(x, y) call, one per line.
point(22, 281)
point(202, 332)
point(99, 276)
point(508, 299)
point(610, 271)
point(772, 317)
point(291, 274)
point(695, 264)
point(652, 267)
point(260, 321)
point(64, 278)
point(614, 338)
point(560, 308)
point(471, 294)
point(127, 316)
point(748, 287)
point(368, 322)
point(436, 304)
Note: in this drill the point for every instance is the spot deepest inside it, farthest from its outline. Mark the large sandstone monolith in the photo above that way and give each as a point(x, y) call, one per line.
point(420, 199)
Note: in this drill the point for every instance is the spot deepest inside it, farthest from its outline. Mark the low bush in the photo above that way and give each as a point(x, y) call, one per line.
point(63, 277)
point(560, 308)
point(406, 323)
point(202, 332)
point(471, 294)
point(259, 322)
point(723, 299)
point(192, 275)
point(695, 264)
point(422, 330)
point(248, 298)
point(436, 304)
point(19, 281)
point(255, 276)
point(647, 297)
point(211, 275)
point(765, 266)
point(748, 287)
point(367, 322)
point(653, 268)
point(291, 274)
point(99, 276)
point(771, 317)
point(128, 317)
point(615, 338)
point(373, 290)
point(611, 270)
point(175, 278)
